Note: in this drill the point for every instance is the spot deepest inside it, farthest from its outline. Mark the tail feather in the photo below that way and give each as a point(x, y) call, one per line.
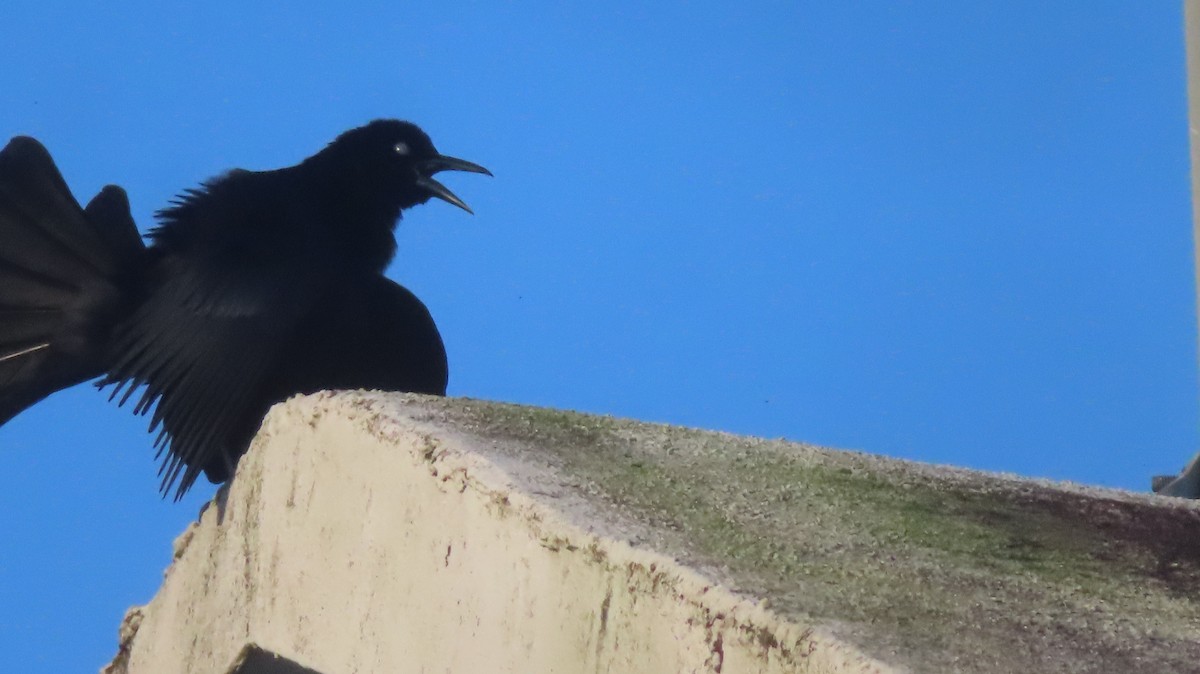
point(27, 289)
point(26, 247)
point(25, 351)
point(108, 215)
point(62, 274)
point(25, 327)
point(31, 183)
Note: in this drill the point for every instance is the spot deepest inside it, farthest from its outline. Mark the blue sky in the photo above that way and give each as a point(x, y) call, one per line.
point(947, 231)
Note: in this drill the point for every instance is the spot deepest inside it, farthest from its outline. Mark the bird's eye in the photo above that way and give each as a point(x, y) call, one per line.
point(401, 148)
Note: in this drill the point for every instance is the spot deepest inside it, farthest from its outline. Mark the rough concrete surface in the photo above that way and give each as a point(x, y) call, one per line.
point(370, 532)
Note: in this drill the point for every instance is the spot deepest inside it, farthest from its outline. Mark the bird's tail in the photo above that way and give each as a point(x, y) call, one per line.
point(65, 274)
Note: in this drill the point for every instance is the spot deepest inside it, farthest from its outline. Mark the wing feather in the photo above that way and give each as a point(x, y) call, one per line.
point(200, 346)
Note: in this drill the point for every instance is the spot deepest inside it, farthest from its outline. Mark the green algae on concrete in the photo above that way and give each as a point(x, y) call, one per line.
point(941, 569)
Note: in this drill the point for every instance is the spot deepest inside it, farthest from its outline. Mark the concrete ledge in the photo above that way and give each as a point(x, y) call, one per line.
point(388, 533)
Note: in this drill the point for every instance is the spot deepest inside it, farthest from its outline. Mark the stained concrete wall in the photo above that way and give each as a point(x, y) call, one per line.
point(389, 533)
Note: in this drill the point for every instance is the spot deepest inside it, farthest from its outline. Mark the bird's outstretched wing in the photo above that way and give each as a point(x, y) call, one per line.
point(200, 345)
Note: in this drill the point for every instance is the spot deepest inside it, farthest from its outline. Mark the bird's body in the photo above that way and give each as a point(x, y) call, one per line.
point(255, 287)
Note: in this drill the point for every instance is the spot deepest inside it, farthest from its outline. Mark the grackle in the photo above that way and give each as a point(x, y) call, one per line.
point(256, 286)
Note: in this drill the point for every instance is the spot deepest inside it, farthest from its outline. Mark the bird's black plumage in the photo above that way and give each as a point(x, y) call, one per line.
point(254, 287)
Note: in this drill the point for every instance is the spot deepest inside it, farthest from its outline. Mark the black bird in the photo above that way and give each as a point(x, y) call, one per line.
point(254, 287)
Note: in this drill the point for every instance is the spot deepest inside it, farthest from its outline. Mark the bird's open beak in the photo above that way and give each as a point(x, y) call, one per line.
point(444, 163)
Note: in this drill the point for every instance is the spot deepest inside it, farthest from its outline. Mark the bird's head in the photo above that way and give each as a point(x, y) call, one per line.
point(396, 161)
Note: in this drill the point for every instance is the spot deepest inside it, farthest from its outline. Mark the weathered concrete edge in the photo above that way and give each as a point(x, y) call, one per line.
point(741, 634)
point(733, 621)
